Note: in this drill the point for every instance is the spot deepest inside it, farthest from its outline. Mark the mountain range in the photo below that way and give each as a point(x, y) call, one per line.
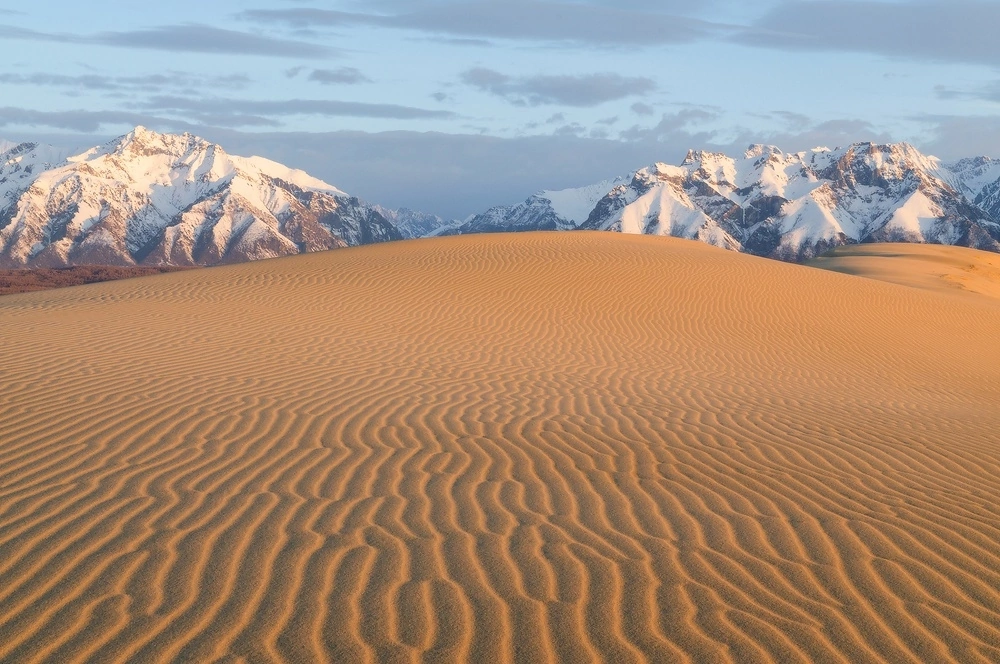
point(148, 198)
point(780, 205)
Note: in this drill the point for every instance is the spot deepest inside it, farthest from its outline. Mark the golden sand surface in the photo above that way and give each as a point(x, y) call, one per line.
point(564, 447)
point(954, 271)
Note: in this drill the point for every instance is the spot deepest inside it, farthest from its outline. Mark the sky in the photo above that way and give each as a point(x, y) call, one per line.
point(452, 106)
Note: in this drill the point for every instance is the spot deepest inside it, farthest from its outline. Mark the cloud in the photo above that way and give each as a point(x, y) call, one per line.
point(673, 128)
point(953, 31)
point(990, 92)
point(185, 113)
point(341, 76)
point(146, 83)
point(828, 133)
point(445, 174)
point(640, 108)
point(84, 121)
point(954, 137)
point(574, 129)
point(797, 121)
point(585, 90)
point(530, 20)
point(233, 112)
point(189, 38)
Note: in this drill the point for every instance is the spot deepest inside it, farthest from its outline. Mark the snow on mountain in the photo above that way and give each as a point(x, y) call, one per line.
point(787, 206)
point(413, 224)
point(166, 199)
point(20, 164)
point(575, 205)
point(978, 179)
point(548, 210)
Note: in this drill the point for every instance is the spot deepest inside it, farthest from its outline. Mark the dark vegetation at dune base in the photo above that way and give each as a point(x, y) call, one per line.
point(36, 279)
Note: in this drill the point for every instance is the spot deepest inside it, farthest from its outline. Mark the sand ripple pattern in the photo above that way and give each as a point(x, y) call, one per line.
point(544, 447)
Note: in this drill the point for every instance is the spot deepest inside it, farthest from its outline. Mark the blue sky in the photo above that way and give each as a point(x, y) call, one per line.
point(454, 105)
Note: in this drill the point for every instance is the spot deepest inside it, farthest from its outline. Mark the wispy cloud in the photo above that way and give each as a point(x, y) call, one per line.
point(533, 20)
point(146, 83)
point(190, 38)
point(567, 90)
point(989, 92)
point(677, 127)
point(235, 110)
point(952, 31)
point(640, 108)
point(83, 121)
point(341, 76)
point(953, 137)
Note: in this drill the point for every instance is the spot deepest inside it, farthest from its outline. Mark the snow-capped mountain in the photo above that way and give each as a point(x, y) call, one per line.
point(166, 199)
point(787, 206)
point(412, 224)
point(979, 180)
point(20, 164)
point(545, 211)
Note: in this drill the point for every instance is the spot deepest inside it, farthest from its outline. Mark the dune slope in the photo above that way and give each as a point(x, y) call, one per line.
point(541, 447)
point(954, 271)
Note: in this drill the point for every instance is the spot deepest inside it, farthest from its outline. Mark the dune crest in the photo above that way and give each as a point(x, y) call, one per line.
point(537, 447)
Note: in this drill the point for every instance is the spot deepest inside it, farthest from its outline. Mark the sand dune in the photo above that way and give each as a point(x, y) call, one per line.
point(546, 447)
point(953, 271)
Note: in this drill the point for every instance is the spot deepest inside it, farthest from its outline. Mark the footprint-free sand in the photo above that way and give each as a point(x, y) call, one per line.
point(954, 271)
point(546, 447)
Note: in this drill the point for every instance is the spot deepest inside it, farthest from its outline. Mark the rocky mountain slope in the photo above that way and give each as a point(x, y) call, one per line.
point(163, 199)
point(786, 206)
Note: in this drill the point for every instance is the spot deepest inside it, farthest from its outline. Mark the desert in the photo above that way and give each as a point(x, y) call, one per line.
point(528, 447)
point(963, 273)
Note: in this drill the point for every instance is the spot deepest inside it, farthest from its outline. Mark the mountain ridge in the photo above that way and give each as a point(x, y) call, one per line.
point(147, 198)
point(789, 206)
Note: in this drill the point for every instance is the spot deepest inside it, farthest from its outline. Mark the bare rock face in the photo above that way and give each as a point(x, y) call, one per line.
point(786, 206)
point(162, 199)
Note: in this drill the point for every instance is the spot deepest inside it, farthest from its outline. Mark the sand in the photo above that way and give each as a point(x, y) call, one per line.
point(953, 271)
point(546, 447)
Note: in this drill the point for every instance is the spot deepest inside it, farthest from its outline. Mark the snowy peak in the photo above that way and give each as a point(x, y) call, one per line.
point(573, 206)
point(20, 164)
point(790, 206)
point(758, 150)
point(144, 142)
point(170, 199)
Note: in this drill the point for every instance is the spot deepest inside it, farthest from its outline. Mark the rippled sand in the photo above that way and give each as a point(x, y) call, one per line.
point(953, 271)
point(566, 447)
